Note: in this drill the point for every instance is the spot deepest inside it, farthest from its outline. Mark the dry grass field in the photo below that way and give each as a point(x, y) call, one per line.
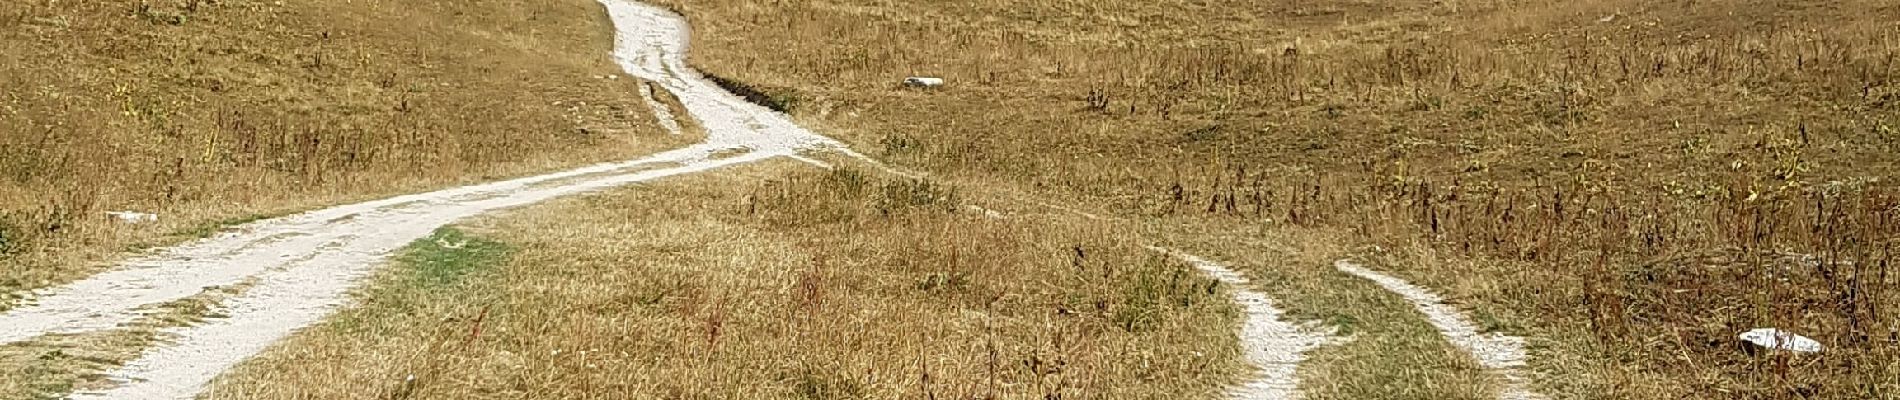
point(210, 113)
point(1627, 184)
point(798, 284)
point(216, 113)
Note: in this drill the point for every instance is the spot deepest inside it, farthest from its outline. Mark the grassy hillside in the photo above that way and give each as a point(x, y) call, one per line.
point(210, 113)
point(775, 281)
point(1631, 183)
point(1628, 184)
point(1644, 96)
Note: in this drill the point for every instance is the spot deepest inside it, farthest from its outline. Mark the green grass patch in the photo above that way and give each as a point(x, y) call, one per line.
point(423, 274)
point(446, 257)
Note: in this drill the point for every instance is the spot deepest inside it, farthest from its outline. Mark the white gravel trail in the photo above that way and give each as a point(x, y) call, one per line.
point(1500, 353)
point(1273, 345)
point(303, 266)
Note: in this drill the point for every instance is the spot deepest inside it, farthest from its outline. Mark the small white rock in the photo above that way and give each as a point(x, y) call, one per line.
point(131, 217)
point(1781, 340)
point(923, 82)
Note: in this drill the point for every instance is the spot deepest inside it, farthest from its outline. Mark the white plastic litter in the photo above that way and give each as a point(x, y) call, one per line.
point(923, 82)
point(131, 217)
point(1781, 340)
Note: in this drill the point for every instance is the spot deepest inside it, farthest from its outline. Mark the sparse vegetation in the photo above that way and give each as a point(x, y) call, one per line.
point(1627, 183)
point(800, 284)
point(1632, 183)
point(208, 111)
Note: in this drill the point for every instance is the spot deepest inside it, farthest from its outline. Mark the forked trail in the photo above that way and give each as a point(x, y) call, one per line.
point(292, 271)
point(1271, 344)
point(295, 270)
point(1502, 354)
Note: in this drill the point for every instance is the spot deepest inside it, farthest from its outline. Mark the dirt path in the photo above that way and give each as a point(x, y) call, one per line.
point(1500, 353)
point(295, 270)
point(1272, 344)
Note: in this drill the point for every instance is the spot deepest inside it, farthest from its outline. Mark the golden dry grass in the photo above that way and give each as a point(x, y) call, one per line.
point(216, 112)
point(213, 114)
point(1566, 169)
point(1517, 94)
point(763, 283)
point(1385, 350)
point(1624, 182)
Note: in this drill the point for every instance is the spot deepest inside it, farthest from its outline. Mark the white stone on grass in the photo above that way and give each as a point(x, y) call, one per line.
point(1780, 340)
point(923, 82)
point(131, 217)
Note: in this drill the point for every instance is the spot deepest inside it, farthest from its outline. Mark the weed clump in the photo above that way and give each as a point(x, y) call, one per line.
point(1160, 288)
point(7, 234)
point(849, 194)
point(1545, 158)
point(917, 194)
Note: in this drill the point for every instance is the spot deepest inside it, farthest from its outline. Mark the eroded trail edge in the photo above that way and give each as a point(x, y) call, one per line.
point(1500, 353)
point(299, 269)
